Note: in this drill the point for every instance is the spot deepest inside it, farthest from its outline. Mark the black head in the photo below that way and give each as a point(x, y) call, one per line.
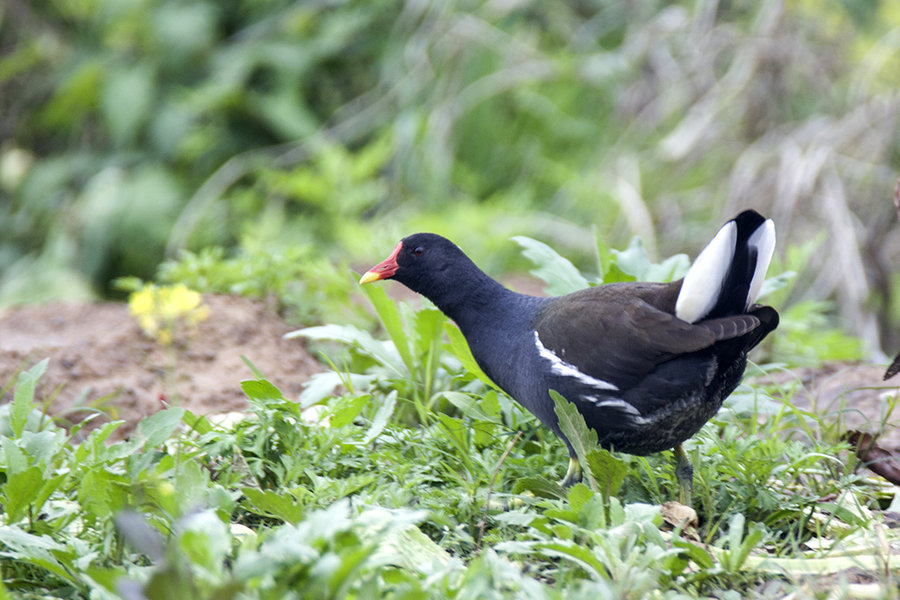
point(436, 268)
point(423, 262)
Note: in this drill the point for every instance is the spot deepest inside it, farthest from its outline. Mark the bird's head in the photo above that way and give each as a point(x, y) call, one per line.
point(423, 262)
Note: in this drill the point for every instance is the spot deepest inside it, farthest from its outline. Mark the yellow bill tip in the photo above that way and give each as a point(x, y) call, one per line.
point(369, 277)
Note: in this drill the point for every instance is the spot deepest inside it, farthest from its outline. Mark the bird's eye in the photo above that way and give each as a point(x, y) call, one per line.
point(419, 251)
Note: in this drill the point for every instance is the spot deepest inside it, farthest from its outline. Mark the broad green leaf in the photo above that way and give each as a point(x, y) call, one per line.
point(98, 493)
point(204, 539)
point(270, 503)
point(608, 470)
point(740, 546)
point(642, 512)
point(350, 563)
point(539, 486)
point(158, 427)
point(43, 446)
point(485, 433)
point(633, 261)
point(382, 415)
point(604, 256)
point(460, 349)
point(347, 409)
point(411, 549)
point(261, 390)
point(387, 311)
point(322, 385)
point(95, 450)
point(471, 406)
point(14, 459)
point(590, 507)
point(572, 425)
point(198, 423)
point(578, 495)
point(385, 353)
point(695, 553)
point(37, 550)
point(21, 490)
point(557, 272)
point(580, 555)
point(50, 485)
point(23, 398)
point(191, 484)
point(428, 329)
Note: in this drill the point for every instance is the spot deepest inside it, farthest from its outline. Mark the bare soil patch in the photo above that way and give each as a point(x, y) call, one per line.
point(98, 351)
point(855, 397)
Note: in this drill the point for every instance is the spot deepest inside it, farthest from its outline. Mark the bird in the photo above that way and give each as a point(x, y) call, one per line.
point(646, 364)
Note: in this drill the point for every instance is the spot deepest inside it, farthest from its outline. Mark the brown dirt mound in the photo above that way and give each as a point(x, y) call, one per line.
point(97, 351)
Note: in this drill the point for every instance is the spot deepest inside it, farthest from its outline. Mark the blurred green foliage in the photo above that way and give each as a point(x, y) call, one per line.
point(133, 129)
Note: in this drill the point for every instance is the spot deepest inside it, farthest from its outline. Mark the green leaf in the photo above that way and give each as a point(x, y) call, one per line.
point(572, 425)
point(158, 427)
point(428, 326)
point(38, 550)
point(385, 410)
point(385, 353)
point(198, 423)
point(557, 272)
point(94, 449)
point(15, 459)
point(580, 555)
point(460, 349)
point(387, 311)
point(740, 546)
point(21, 490)
point(470, 406)
point(261, 390)
point(539, 486)
point(695, 553)
point(608, 470)
point(270, 503)
point(23, 399)
point(348, 408)
point(634, 262)
point(578, 496)
point(44, 446)
point(204, 539)
point(99, 494)
point(411, 549)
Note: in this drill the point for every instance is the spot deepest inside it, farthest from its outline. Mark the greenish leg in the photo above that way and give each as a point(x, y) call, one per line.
point(573, 475)
point(684, 473)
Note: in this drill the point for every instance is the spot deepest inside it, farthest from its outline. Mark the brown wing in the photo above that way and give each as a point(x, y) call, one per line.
point(620, 333)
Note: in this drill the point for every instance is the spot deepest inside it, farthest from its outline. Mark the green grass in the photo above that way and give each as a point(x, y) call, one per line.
point(404, 474)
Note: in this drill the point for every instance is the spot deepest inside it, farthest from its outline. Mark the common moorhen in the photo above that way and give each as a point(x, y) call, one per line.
point(646, 364)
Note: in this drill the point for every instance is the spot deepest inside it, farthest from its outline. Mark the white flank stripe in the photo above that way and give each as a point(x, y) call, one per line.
point(703, 282)
point(561, 367)
point(763, 239)
point(617, 404)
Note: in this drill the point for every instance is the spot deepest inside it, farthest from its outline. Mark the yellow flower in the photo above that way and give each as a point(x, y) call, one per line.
point(160, 310)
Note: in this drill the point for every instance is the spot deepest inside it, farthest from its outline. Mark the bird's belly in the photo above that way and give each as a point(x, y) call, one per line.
point(678, 418)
